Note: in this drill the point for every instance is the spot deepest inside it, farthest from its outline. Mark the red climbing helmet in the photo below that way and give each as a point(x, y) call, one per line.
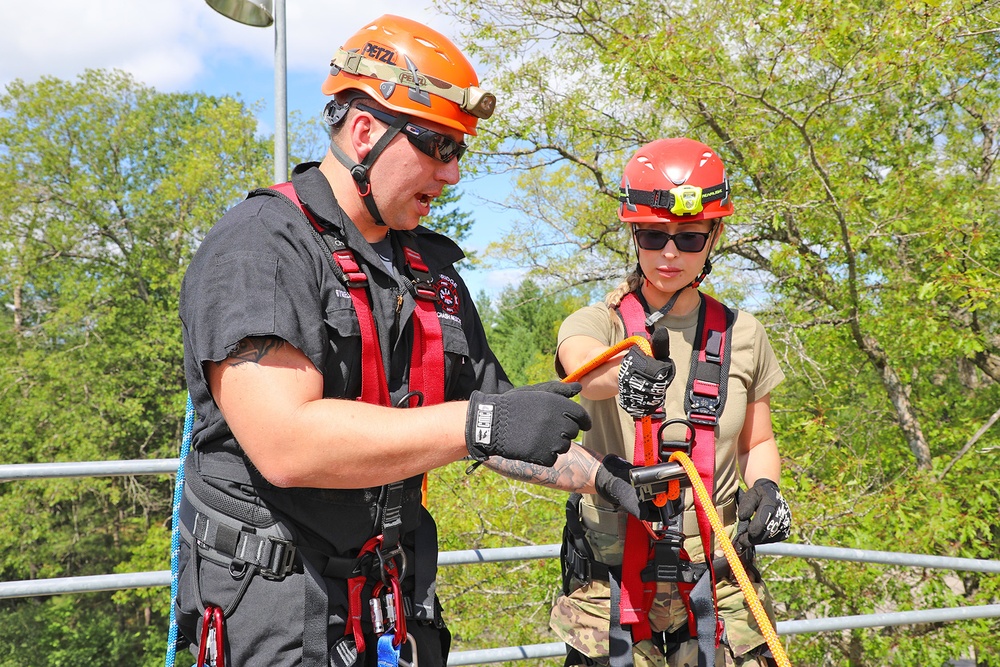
point(674, 180)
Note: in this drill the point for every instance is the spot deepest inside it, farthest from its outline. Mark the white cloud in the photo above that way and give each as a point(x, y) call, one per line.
point(166, 43)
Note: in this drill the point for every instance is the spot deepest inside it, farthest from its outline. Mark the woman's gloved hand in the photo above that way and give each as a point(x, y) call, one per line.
point(764, 515)
point(643, 380)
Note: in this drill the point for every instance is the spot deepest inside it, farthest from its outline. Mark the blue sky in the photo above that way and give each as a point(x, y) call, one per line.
point(184, 45)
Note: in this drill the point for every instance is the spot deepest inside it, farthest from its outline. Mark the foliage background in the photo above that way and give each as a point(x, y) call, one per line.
point(861, 141)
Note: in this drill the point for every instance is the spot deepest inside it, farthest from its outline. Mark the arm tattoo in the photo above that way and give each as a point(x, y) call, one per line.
point(573, 471)
point(252, 349)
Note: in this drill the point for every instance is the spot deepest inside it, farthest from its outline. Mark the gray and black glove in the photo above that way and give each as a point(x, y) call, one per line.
point(614, 485)
point(534, 424)
point(764, 515)
point(643, 380)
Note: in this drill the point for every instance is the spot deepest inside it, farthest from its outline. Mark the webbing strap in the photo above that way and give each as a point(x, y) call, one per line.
point(636, 596)
point(706, 397)
point(374, 388)
point(619, 641)
point(427, 360)
point(706, 618)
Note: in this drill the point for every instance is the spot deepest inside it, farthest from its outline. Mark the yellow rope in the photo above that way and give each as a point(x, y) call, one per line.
point(756, 608)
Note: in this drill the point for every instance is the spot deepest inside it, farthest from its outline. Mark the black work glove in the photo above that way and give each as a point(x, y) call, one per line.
point(535, 423)
point(764, 513)
point(614, 485)
point(643, 380)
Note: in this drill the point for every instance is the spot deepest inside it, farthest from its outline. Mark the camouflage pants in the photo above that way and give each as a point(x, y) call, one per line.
point(582, 619)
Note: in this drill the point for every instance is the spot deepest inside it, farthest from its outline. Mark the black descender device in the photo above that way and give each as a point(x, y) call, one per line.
point(653, 480)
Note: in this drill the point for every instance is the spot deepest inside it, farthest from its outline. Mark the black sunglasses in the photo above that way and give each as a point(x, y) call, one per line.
point(438, 146)
point(651, 239)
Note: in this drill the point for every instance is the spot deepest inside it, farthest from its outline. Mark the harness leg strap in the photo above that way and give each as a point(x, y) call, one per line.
point(619, 637)
point(703, 607)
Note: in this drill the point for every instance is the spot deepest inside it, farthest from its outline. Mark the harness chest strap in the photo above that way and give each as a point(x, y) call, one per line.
point(704, 400)
point(427, 357)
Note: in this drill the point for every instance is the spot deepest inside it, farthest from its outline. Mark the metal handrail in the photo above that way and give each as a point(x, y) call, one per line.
point(111, 582)
point(16, 471)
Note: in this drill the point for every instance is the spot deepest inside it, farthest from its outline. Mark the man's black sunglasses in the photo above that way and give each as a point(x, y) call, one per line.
point(651, 239)
point(428, 142)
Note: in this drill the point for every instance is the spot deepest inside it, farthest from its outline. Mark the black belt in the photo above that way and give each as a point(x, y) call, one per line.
point(272, 554)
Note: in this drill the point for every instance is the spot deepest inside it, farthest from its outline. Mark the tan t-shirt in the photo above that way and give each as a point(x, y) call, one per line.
point(753, 373)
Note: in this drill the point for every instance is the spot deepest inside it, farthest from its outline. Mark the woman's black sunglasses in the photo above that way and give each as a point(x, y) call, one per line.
point(438, 146)
point(651, 239)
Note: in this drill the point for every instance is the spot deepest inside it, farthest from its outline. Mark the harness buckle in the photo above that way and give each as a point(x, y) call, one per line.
point(706, 418)
point(662, 199)
point(281, 561)
point(426, 290)
point(704, 408)
point(352, 272)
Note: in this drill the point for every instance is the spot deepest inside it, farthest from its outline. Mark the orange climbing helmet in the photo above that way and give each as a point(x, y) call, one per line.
point(674, 180)
point(412, 69)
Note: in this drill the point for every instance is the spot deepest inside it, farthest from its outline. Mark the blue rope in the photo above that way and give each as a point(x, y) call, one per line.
point(175, 532)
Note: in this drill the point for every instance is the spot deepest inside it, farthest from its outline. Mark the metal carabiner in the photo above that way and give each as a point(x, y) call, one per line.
point(404, 400)
point(395, 609)
point(212, 628)
point(387, 563)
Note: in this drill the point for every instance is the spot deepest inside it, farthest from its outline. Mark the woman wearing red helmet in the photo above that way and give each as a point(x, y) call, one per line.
point(651, 589)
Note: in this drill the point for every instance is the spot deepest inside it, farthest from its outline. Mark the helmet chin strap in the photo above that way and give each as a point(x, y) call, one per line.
point(359, 170)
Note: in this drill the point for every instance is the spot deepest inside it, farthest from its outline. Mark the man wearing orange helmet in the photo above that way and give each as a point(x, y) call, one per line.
point(334, 355)
point(637, 589)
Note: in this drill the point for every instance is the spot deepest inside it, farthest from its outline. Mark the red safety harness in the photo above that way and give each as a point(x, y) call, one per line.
point(427, 359)
point(382, 559)
point(704, 401)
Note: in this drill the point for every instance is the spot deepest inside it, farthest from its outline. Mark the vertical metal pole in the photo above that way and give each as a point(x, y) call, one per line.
point(280, 95)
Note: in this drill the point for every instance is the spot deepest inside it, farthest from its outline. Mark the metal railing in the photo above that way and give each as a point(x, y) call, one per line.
point(111, 582)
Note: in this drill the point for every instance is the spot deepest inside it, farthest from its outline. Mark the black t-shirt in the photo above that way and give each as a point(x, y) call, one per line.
point(263, 271)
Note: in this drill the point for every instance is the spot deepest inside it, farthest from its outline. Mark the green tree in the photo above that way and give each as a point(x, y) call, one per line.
point(861, 143)
point(106, 187)
point(522, 327)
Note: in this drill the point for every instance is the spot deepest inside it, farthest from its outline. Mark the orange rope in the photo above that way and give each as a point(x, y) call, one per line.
point(756, 608)
point(647, 423)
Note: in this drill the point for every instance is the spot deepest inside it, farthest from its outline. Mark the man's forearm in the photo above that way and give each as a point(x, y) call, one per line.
point(574, 471)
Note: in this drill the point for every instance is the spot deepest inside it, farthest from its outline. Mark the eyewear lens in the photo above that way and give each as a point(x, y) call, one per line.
point(651, 239)
point(438, 146)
